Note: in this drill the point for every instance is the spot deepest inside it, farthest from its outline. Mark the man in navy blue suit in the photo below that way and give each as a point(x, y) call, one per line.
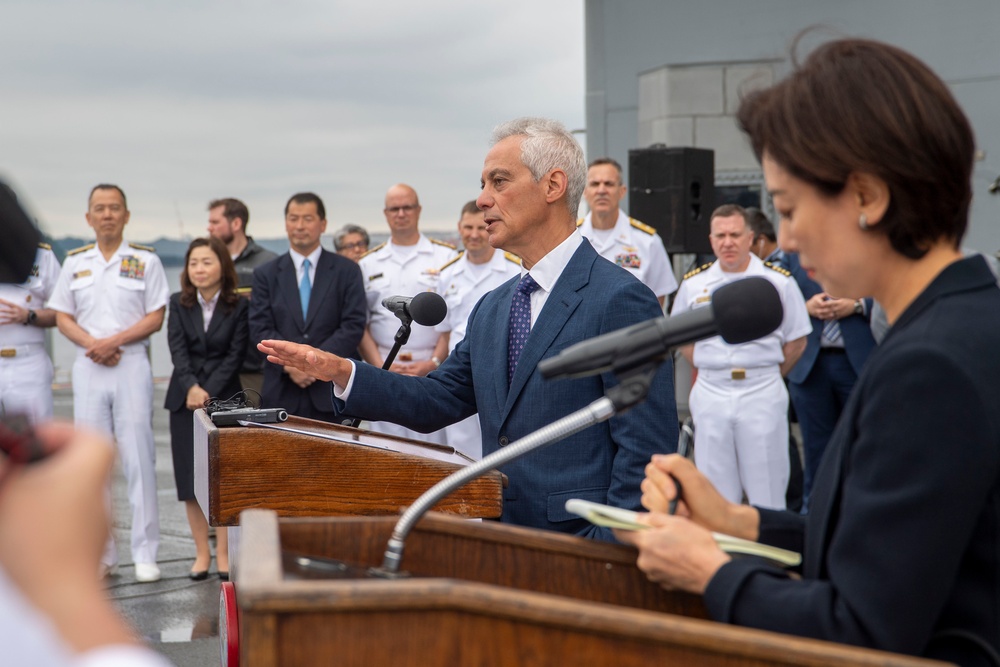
point(836, 350)
point(532, 181)
point(308, 295)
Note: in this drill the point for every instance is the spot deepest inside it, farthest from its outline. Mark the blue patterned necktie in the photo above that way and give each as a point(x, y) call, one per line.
point(831, 331)
point(520, 322)
point(305, 288)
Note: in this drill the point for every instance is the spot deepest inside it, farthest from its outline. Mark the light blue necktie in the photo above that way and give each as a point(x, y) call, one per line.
point(520, 322)
point(305, 288)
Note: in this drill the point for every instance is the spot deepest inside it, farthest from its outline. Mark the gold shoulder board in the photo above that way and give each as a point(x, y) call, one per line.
point(780, 269)
point(375, 249)
point(83, 248)
point(642, 226)
point(698, 270)
point(450, 262)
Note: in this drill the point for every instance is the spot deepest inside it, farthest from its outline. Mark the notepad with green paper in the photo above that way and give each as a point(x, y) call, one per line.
point(616, 517)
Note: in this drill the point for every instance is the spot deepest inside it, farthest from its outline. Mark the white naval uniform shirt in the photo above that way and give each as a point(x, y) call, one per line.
point(107, 297)
point(635, 249)
point(714, 353)
point(387, 272)
point(31, 295)
point(463, 284)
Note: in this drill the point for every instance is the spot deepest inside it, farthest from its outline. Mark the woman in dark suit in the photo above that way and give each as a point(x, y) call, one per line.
point(208, 333)
point(868, 159)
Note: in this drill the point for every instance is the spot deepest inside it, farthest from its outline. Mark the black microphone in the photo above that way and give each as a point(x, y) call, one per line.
point(739, 312)
point(426, 308)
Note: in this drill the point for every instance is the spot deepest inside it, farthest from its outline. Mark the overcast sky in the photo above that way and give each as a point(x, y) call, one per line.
point(184, 101)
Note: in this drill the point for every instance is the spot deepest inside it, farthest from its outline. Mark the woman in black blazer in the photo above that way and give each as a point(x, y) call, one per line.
point(207, 357)
point(868, 159)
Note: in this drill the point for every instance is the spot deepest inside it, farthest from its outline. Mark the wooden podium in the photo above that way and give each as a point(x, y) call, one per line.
point(303, 467)
point(479, 594)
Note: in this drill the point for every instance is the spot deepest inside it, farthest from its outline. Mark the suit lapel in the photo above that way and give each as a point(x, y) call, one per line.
point(502, 318)
point(216, 321)
point(558, 308)
point(290, 289)
point(197, 321)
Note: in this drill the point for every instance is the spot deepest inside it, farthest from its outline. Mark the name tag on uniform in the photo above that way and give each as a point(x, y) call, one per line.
point(703, 299)
point(81, 274)
point(375, 277)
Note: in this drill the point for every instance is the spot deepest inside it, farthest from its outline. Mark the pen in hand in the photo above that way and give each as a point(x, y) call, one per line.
point(683, 449)
point(672, 505)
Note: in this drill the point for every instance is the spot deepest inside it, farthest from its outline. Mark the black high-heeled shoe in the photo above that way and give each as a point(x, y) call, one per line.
point(224, 575)
point(199, 575)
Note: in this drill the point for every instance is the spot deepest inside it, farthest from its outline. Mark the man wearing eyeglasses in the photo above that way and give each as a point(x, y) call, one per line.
point(405, 265)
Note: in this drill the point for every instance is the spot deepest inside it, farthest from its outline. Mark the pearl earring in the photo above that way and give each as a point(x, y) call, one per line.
point(863, 222)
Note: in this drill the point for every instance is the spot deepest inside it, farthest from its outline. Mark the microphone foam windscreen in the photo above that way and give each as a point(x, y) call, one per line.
point(428, 309)
point(746, 310)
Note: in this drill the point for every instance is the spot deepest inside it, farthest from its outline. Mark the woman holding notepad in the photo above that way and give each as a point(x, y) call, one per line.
point(868, 160)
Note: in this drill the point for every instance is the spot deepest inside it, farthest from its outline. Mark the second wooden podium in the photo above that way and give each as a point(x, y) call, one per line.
point(482, 594)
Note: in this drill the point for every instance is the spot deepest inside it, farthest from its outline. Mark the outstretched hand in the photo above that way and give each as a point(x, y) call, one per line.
point(311, 361)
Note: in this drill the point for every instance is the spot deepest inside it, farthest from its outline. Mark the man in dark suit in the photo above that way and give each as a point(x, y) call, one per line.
point(824, 376)
point(532, 181)
point(311, 296)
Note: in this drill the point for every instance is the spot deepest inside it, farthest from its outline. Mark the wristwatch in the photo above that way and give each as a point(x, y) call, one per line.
point(436, 362)
point(32, 316)
point(859, 307)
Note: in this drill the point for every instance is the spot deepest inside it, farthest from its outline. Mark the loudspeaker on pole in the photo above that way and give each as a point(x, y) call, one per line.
point(673, 190)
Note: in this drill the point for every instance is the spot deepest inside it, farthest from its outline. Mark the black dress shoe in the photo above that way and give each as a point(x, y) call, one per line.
point(224, 575)
point(198, 576)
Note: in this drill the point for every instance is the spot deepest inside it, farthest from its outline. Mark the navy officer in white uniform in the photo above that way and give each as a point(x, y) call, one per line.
point(739, 402)
point(632, 245)
point(407, 264)
point(25, 366)
point(463, 281)
point(111, 296)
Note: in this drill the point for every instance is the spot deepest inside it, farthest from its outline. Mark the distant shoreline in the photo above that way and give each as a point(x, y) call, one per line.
point(171, 251)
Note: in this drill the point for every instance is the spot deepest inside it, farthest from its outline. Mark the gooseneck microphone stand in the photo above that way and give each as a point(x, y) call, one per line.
point(632, 389)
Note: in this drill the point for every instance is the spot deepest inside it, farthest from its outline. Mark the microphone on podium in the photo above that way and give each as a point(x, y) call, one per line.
point(426, 308)
point(741, 311)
